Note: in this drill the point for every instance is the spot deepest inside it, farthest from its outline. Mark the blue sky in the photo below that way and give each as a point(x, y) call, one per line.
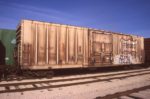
point(123, 16)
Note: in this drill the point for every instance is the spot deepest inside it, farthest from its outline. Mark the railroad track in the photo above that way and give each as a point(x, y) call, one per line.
point(127, 93)
point(68, 81)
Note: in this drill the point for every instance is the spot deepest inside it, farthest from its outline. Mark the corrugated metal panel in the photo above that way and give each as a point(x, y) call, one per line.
point(8, 40)
point(45, 45)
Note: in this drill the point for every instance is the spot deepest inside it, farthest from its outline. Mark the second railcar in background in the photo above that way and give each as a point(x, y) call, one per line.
point(42, 45)
point(147, 51)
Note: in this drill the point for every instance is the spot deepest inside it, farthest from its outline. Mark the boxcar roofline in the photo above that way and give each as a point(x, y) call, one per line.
point(82, 27)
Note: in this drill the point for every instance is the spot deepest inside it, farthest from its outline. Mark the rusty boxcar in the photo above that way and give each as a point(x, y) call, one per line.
point(43, 45)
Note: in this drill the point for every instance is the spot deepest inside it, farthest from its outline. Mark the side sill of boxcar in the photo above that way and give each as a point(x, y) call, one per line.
point(50, 67)
point(72, 66)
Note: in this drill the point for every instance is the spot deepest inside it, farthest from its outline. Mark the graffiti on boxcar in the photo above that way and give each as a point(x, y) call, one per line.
point(127, 53)
point(124, 59)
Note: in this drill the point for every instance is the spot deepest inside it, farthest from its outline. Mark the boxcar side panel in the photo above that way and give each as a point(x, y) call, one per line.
point(26, 43)
point(52, 44)
point(62, 45)
point(41, 38)
point(48, 45)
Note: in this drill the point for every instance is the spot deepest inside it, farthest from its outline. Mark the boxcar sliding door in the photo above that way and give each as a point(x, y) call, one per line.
point(101, 48)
